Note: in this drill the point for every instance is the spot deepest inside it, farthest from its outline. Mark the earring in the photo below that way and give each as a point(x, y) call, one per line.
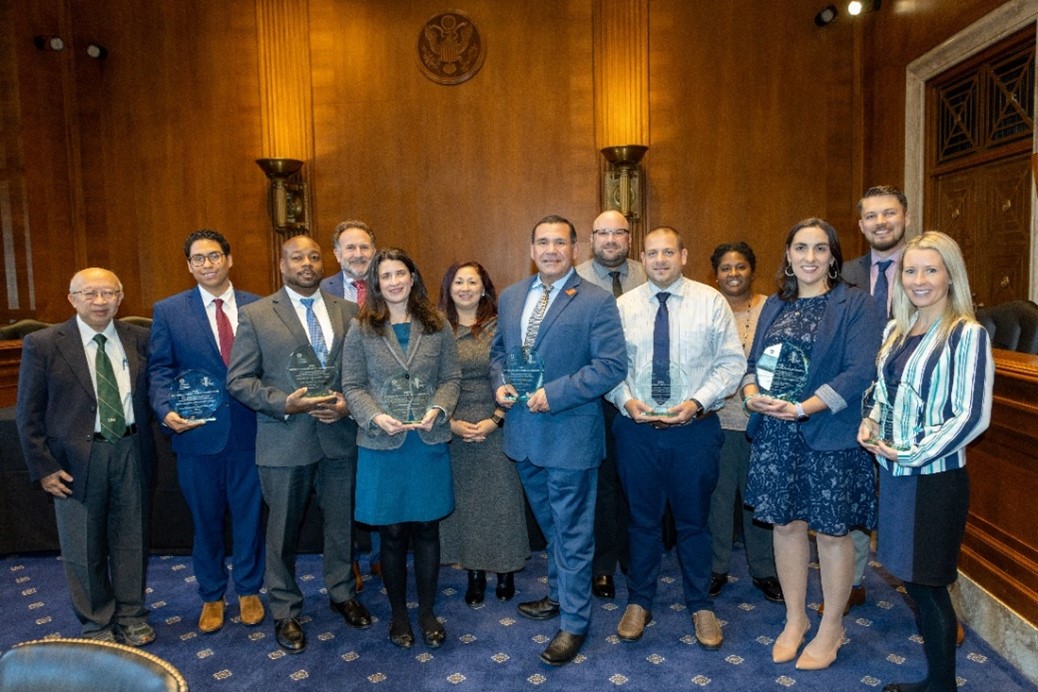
point(789, 271)
point(833, 274)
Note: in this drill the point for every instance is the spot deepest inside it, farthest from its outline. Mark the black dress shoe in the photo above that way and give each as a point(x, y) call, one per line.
point(505, 586)
point(433, 631)
point(400, 633)
point(770, 587)
point(717, 582)
point(904, 687)
point(290, 635)
point(563, 648)
point(353, 612)
point(544, 609)
point(477, 587)
point(603, 586)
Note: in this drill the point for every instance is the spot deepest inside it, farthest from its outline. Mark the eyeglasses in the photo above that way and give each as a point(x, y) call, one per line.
point(199, 260)
point(610, 232)
point(106, 294)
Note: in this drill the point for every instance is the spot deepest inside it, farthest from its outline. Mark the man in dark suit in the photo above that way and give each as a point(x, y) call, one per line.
point(216, 459)
point(353, 243)
point(303, 443)
point(83, 420)
point(556, 436)
point(884, 217)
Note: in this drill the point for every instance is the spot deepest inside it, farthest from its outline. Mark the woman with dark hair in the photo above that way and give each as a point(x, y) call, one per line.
point(401, 342)
point(811, 360)
point(932, 398)
point(487, 530)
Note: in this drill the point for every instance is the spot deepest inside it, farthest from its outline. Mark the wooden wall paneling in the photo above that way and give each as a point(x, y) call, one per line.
point(454, 172)
point(1000, 549)
point(749, 134)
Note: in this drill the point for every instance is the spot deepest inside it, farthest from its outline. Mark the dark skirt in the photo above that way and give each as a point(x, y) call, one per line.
point(922, 520)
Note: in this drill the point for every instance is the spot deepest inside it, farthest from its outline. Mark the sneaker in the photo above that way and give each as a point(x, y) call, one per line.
point(137, 633)
point(106, 635)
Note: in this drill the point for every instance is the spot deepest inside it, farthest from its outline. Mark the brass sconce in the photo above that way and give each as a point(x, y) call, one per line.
point(287, 194)
point(623, 179)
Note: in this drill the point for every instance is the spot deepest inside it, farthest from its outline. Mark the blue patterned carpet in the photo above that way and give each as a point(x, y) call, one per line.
point(492, 648)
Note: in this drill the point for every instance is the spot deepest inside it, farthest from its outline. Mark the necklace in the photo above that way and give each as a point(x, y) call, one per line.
point(744, 320)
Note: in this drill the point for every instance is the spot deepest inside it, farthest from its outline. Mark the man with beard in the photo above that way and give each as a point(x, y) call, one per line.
point(353, 243)
point(884, 217)
point(610, 268)
point(303, 443)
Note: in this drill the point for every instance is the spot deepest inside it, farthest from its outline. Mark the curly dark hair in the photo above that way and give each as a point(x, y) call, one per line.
point(374, 314)
point(206, 234)
point(742, 248)
point(487, 309)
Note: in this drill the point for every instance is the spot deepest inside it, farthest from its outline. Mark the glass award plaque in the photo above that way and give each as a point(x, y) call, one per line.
point(524, 370)
point(195, 395)
point(406, 398)
point(660, 393)
point(782, 372)
point(306, 371)
point(891, 408)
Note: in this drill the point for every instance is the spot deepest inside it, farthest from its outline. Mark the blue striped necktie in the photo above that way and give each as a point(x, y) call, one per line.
point(316, 333)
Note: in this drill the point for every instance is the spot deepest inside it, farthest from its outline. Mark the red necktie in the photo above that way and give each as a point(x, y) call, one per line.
point(223, 328)
point(362, 290)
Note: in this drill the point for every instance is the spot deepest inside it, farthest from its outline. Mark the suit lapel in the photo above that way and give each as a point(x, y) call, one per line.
point(283, 308)
point(197, 307)
point(333, 305)
point(71, 349)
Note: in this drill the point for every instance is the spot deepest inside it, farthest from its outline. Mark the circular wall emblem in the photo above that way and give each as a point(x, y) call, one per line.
point(450, 48)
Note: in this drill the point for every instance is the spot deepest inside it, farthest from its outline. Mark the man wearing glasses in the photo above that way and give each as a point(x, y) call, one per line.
point(611, 269)
point(556, 434)
point(83, 420)
point(216, 458)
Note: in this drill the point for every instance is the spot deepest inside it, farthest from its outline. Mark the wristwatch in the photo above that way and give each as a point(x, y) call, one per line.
point(498, 420)
point(800, 415)
point(700, 411)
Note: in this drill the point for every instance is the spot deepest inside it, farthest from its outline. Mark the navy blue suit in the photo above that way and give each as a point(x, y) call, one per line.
point(582, 345)
point(216, 462)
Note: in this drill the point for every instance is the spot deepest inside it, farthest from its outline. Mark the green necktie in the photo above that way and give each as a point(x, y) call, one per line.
point(109, 403)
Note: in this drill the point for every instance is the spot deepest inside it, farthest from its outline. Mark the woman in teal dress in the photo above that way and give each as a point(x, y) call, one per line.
point(812, 358)
point(401, 379)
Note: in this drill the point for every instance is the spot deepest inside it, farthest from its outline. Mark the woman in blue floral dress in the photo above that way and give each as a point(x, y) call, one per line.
point(813, 356)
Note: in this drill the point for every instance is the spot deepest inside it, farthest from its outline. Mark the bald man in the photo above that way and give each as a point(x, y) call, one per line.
point(83, 420)
point(303, 443)
point(610, 268)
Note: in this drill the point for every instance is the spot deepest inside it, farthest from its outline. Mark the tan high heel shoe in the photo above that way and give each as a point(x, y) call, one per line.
point(807, 661)
point(783, 653)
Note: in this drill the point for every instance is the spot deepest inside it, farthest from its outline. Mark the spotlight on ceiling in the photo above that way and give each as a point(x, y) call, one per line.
point(826, 16)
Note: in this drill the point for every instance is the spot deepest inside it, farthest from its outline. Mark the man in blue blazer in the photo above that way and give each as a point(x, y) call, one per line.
point(556, 436)
point(95, 457)
point(216, 459)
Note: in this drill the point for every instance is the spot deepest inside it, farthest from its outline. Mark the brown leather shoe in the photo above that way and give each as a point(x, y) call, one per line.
point(252, 612)
point(708, 629)
point(211, 619)
point(633, 623)
point(856, 599)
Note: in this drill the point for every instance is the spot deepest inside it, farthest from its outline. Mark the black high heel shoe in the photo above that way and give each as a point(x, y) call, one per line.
point(477, 587)
point(505, 586)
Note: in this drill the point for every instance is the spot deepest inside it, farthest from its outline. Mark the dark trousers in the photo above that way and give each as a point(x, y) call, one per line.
point(563, 500)
point(287, 491)
point(610, 508)
point(102, 539)
point(678, 465)
point(214, 486)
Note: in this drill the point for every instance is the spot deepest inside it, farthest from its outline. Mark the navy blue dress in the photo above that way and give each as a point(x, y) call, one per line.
point(831, 490)
point(409, 483)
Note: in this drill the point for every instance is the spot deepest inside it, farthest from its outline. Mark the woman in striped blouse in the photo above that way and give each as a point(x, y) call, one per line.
point(932, 397)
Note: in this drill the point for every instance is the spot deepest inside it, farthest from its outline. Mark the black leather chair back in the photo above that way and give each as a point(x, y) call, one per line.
point(1013, 326)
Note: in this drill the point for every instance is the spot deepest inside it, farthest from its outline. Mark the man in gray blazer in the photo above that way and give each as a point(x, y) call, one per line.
point(884, 217)
point(83, 419)
point(303, 443)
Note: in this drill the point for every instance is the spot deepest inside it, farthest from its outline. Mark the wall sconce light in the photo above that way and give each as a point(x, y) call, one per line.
point(287, 198)
point(623, 179)
point(97, 51)
point(54, 43)
point(826, 16)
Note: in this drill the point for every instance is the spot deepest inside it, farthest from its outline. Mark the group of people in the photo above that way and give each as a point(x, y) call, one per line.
point(655, 395)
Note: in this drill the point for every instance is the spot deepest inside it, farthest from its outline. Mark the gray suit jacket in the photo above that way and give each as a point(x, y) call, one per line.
point(269, 330)
point(369, 360)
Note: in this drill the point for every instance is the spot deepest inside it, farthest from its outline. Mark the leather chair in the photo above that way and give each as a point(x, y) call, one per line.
point(139, 321)
point(1013, 326)
point(81, 665)
point(17, 330)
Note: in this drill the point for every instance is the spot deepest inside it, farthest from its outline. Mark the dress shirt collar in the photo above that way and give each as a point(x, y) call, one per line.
point(603, 271)
point(537, 283)
point(297, 298)
point(875, 258)
point(87, 333)
point(207, 297)
point(675, 289)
